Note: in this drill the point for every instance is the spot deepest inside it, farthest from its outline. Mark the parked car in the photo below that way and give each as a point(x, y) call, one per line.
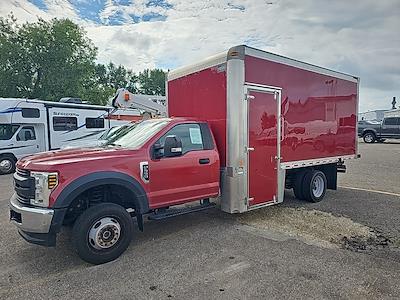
point(372, 131)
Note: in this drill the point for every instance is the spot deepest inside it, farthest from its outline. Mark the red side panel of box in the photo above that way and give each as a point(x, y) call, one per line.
point(319, 111)
point(202, 95)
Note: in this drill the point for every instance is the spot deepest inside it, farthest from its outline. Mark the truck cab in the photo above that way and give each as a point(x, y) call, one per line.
point(145, 169)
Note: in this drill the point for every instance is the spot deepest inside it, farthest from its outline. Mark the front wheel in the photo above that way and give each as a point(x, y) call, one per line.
point(369, 138)
point(102, 233)
point(7, 164)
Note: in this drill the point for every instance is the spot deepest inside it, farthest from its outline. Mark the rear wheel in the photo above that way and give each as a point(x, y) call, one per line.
point(7, 164)
point(369, 137)
point(314, 186)
point(298, 185)
point(102, 233)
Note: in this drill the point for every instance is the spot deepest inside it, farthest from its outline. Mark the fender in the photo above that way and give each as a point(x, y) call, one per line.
point(374, 130)
point(83, 183)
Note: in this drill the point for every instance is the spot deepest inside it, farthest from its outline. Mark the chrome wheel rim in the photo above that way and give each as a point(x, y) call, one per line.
point(104, 233)
point(318, 186)
point(368, 138)
point(5, 165)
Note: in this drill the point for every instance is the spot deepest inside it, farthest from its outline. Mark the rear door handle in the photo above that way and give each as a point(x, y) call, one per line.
point(204, 161)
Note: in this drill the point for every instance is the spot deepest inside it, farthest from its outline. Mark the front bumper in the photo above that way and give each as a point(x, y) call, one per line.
point(36, 225)
point(30, 219)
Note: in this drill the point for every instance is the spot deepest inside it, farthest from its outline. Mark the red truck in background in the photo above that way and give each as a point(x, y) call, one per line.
point(244, 124)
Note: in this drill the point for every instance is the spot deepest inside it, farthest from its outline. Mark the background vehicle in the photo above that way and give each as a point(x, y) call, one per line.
point(31, 126)
point(372, 132)
point(92, 141)
point(249, 129)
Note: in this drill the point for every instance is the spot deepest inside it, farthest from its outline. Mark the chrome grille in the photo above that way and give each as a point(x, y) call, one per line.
point(23, 173)
point(24, 186)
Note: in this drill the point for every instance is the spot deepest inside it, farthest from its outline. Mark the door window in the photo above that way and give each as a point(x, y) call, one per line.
point(7, 131)
point(190, 135)
point(391, 121)
point(27, 133)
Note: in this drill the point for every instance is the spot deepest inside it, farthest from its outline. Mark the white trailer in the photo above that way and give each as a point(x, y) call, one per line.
point(32, 126)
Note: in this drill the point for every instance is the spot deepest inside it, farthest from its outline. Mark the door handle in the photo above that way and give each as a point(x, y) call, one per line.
point(204, 161)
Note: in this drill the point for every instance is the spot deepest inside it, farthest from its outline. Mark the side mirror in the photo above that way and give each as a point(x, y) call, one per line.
point(157, 151)
point(172, 146)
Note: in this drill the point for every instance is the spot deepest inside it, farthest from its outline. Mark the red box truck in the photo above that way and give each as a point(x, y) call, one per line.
point(272, 117)
point(244, 124)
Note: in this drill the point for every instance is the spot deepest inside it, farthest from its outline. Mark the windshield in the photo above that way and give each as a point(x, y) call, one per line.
point(7, 131)
point(135, 135)
point(106, 134)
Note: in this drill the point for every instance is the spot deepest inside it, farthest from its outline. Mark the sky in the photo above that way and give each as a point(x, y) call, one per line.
point(359, 37)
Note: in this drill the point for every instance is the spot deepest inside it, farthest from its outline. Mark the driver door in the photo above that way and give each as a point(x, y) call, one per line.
point(190, 176)
point(26, 142)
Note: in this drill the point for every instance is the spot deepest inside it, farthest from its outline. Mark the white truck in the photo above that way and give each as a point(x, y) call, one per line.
point(31, 126)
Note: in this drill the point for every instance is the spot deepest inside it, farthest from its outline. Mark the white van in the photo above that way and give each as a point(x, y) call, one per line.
point(31, 126)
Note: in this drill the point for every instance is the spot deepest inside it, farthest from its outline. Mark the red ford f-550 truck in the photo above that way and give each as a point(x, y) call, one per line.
point(244, 125)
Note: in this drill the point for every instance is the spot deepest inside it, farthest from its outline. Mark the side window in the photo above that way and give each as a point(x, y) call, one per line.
point(65, 123)
point(94, 123)
point(190, 135)
point(391, 121)
point(27, 133)
point(30, 113)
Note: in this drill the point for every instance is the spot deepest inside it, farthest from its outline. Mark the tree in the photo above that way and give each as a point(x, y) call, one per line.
point(152, 82)
point(52, 59)
point(46, 59)
point(116, 77)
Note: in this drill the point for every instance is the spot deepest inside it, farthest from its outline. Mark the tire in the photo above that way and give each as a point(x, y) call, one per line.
point(369, 137)
point(314, 186)
point(298, 185)
point(113, 227)
point(7, 164)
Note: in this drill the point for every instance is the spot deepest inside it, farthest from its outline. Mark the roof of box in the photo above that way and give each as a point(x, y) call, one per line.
point(242, 50)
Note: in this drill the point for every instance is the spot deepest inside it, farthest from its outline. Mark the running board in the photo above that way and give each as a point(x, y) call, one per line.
point(169, 213)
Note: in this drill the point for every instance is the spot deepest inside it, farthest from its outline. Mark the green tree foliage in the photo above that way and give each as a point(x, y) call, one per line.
point(152, 82)
point(49, 60)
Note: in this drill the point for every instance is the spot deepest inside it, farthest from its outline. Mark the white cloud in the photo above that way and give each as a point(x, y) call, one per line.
point(360, 38)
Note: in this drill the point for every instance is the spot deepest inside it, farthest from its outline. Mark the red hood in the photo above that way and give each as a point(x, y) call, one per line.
point(52, 160)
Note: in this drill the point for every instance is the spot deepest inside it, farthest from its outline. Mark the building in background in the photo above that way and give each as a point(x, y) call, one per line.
point(373, 115)
point(392, 113)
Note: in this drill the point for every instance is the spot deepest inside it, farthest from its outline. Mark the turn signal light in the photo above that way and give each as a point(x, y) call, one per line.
point(52, 181)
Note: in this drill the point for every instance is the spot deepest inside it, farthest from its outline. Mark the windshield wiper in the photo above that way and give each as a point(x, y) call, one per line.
point(113, 144)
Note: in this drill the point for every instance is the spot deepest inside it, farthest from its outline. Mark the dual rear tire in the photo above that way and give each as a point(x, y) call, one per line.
point(310, 185)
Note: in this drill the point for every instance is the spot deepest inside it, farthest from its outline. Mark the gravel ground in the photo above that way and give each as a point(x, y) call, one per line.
point(215, 255)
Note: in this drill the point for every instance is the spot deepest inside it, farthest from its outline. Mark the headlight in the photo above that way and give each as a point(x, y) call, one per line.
point(44, 183)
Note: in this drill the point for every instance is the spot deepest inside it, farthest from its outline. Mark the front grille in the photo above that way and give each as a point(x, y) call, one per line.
point(24, 186)
point(23, 200)
point(23, 173)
